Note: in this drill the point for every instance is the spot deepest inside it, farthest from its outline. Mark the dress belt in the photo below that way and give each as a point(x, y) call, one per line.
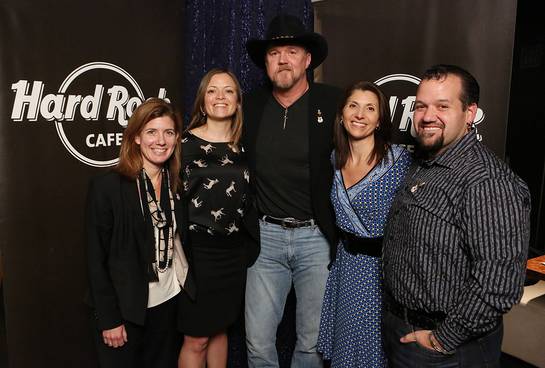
point(288, 222)
point(356, 245)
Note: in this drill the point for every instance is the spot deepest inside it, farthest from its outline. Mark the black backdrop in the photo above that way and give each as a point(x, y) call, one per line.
point(370, 40)
point(526, 128)
point(42, 185)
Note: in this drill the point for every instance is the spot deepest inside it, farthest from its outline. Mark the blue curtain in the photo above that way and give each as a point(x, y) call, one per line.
point(216, 32)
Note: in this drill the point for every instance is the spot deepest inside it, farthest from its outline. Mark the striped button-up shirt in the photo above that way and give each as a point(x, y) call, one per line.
point(457, 239)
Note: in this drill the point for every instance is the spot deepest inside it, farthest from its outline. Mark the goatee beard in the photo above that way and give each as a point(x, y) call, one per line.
point(284, 85)
point(428, 151)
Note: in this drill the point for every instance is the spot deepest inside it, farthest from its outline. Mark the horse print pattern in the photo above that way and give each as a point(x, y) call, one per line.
point(215, 183)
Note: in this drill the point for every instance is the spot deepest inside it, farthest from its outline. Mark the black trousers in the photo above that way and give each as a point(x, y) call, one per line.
point(154, 345)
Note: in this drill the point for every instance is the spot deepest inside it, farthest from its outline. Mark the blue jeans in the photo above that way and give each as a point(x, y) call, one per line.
point(297, 255)
point(480, 352)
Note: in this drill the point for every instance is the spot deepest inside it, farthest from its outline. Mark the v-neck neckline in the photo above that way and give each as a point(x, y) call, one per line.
point(360, 180)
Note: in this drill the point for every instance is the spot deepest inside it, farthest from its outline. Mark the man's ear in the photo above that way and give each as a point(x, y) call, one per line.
point(471, 113)
point(309, 59)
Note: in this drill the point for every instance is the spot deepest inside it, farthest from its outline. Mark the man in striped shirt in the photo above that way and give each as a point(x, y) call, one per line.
point(457, 237)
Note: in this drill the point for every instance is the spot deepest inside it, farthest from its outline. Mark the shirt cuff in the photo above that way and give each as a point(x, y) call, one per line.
point(449, 336)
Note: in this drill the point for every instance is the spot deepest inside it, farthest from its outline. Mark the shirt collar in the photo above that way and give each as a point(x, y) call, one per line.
point(452, 154)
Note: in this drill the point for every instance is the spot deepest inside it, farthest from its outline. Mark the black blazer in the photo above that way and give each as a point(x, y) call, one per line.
point(118, 240)
point(323, 101)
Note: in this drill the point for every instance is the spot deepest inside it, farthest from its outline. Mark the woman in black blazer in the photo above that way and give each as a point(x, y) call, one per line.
point(136, 264)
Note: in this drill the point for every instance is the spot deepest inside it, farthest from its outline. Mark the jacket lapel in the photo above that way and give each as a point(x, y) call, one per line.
point(142, 227)
point(253, 112)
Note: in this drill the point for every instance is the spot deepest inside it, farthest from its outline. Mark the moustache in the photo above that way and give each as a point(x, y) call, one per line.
point(424, 124)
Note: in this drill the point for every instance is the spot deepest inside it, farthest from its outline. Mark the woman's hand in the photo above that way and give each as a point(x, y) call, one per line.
point(115, 337)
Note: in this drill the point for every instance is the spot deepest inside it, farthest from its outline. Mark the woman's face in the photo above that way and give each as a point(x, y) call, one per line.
point(220, 98)
point(361, 114)
point(157, 141)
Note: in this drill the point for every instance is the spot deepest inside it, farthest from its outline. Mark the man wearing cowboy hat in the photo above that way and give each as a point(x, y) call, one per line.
point(288, 139)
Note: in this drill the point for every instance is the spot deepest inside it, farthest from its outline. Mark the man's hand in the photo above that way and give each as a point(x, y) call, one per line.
point(116, 337)
point(421, 337)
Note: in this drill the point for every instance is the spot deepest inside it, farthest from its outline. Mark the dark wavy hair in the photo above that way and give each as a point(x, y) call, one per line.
point(383, 135)
point(130, 156)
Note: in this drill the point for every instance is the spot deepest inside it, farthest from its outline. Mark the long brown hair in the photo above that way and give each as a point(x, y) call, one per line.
point(130, 156)
point(198, 118)
point(383, 135)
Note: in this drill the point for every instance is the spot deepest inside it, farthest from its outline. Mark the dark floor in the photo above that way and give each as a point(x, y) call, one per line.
point(3, 347)
point(507, 361)
point(237, 348)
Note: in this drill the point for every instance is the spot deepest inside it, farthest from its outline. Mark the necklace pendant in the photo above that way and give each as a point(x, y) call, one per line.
point(285, 118)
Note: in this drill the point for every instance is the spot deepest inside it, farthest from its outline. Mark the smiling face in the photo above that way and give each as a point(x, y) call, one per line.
point(361, 114)
point(439, 116)
point(221, 97)
point(157, 141)
point(286, 65)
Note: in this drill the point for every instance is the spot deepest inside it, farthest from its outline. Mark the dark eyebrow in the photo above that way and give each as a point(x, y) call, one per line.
point(228, 86)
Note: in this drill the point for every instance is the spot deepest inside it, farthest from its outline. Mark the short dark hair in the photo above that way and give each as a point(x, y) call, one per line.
point(383, 135)
point(470, 86)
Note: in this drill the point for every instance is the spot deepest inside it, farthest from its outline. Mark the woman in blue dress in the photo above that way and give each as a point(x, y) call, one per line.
point(368, 171)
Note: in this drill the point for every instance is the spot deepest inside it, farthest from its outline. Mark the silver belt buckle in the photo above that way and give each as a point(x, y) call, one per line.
point(287, 220)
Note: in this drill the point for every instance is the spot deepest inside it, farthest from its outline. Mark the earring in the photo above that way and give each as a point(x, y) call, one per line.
point(341, 122)
point(378, 127)
point(203, 113)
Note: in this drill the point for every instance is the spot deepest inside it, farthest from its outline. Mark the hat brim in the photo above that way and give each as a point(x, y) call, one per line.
point(312, 42)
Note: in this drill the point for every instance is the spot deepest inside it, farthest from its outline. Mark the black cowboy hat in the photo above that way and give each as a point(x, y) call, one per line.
point(288, 30)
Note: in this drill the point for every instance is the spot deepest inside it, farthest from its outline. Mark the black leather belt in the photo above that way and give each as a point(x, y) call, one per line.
point(288, 222)
point(356, 245)
point(424, 320)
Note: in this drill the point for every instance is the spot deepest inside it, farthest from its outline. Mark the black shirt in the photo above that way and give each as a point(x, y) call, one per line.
point(282, 160)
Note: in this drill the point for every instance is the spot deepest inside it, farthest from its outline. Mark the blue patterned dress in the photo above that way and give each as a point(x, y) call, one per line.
point(350, 326)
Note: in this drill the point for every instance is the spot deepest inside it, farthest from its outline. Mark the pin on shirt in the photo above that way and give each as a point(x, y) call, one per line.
point(415, 187)
point(319, 117)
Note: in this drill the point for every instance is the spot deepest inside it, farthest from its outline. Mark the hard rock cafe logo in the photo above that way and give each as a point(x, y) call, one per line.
point(401, 89)
point(90, 126)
